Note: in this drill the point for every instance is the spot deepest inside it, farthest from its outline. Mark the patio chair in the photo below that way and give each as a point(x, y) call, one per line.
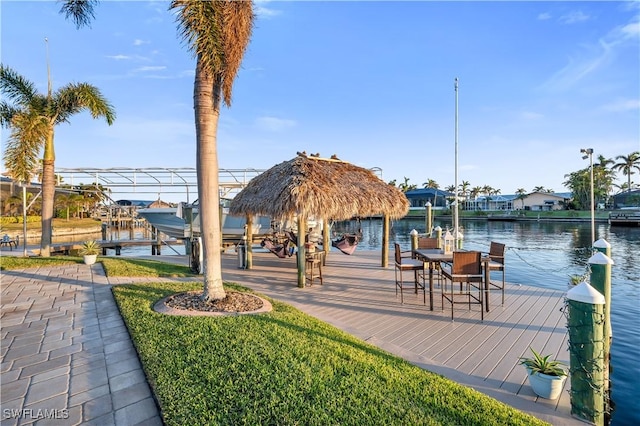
point(427, 243)
point(496, 263)
point(466, 268)
point(407, 263)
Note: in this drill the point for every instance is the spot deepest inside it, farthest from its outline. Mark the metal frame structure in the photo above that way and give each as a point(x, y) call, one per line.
point(159, 180)
point(155, 180)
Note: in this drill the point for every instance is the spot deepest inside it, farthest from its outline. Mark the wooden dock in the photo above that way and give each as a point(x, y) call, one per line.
point(117, 245)
point(358, 296)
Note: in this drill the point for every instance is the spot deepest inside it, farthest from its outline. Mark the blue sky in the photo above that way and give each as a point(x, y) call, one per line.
point(372, 82)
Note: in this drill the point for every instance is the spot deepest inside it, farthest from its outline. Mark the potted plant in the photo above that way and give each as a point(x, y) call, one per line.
point(546, 376)
point(89, 251)
point(576, 279)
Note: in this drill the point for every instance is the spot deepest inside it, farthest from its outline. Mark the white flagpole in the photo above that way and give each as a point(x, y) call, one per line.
point(455, 211)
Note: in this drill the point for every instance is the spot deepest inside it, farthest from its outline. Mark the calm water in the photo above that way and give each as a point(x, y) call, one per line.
point(544, 255)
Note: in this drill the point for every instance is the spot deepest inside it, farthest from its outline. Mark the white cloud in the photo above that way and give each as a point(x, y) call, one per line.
point(544, 16)
point(138, 42)
point(263, 11)
point(150, 68)
point(594, 56)
point(622, 105)
point(530, 115)
point(574, 17)
point(274, 124)
point(119, 57)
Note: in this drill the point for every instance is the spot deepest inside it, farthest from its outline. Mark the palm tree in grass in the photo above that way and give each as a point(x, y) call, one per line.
point(627, 165)
point(218, 33)
point(32, 118)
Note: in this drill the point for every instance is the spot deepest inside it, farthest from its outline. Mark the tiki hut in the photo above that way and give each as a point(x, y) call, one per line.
point(323, 188)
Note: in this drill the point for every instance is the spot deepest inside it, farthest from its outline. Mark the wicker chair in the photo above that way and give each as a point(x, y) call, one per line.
point(496, 263)
point(427, 243)
point(466, 268)
point(407, 263)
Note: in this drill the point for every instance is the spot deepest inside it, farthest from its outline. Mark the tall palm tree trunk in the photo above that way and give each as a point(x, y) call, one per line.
point(207, 92)
point(48, 194)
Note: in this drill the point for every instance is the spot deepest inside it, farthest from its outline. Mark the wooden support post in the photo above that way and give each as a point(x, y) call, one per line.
point(154, 235)
point(428, 219)
point(302, 231)
point(414, 239)
point(385, 241)
point(600, 279)
point(249, 246)
point(326, 241)
point(439, 236)
point(586, 353)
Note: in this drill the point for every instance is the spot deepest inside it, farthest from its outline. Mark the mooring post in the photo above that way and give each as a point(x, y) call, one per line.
point(428, 219)
point(585, 321)
point(601, 280)
point(414, 239)
point(438, 230)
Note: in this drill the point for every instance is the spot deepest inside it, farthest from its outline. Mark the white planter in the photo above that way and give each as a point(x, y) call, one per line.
point(545, 386)
point(90, 259)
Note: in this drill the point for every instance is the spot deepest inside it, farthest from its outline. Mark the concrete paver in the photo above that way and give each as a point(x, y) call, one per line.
point(66, 355)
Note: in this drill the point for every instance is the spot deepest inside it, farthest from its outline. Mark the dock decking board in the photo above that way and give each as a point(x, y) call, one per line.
point(358, 296)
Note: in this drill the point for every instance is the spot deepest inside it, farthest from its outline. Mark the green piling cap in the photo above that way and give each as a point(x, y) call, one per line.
point(601, 243)
point(584, 293)
point(600, 259)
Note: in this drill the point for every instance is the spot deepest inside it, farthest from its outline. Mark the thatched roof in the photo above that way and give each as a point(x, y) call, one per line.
point(324, 188)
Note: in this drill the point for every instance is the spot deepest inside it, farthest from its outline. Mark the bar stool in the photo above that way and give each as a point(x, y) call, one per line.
point(313, 266)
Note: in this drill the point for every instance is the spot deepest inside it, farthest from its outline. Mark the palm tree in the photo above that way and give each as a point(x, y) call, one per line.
point(218, 33)
point(627, 165)
point(521, 195)
point(32, 118)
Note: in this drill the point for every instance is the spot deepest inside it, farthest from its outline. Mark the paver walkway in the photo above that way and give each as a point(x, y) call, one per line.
point(67, 357)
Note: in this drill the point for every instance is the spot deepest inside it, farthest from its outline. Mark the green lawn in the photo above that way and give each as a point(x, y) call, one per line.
point(280, 368)
point(287, 368)
point(113, 267)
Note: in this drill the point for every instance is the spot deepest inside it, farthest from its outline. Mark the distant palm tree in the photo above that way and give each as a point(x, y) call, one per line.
point(539, 189)
point(627, 165)
point(32, 118)
point(521, 195)
point(430, 183)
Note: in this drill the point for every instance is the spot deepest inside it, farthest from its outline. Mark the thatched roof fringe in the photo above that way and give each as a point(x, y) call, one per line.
point(326, 189)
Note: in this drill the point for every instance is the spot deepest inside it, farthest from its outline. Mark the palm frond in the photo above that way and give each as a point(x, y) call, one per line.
point(15, 87)
point(28, 133)
point(80, 11)
point(75, 97)
point(218, 33)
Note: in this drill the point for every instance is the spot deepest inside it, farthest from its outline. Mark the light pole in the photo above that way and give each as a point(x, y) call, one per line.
point(588, 153)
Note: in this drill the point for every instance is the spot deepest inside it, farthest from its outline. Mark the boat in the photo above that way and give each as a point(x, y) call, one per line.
point(624, 218)
point(183, 222)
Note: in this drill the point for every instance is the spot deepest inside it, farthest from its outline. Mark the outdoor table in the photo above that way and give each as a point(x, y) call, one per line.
point(433, 256)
